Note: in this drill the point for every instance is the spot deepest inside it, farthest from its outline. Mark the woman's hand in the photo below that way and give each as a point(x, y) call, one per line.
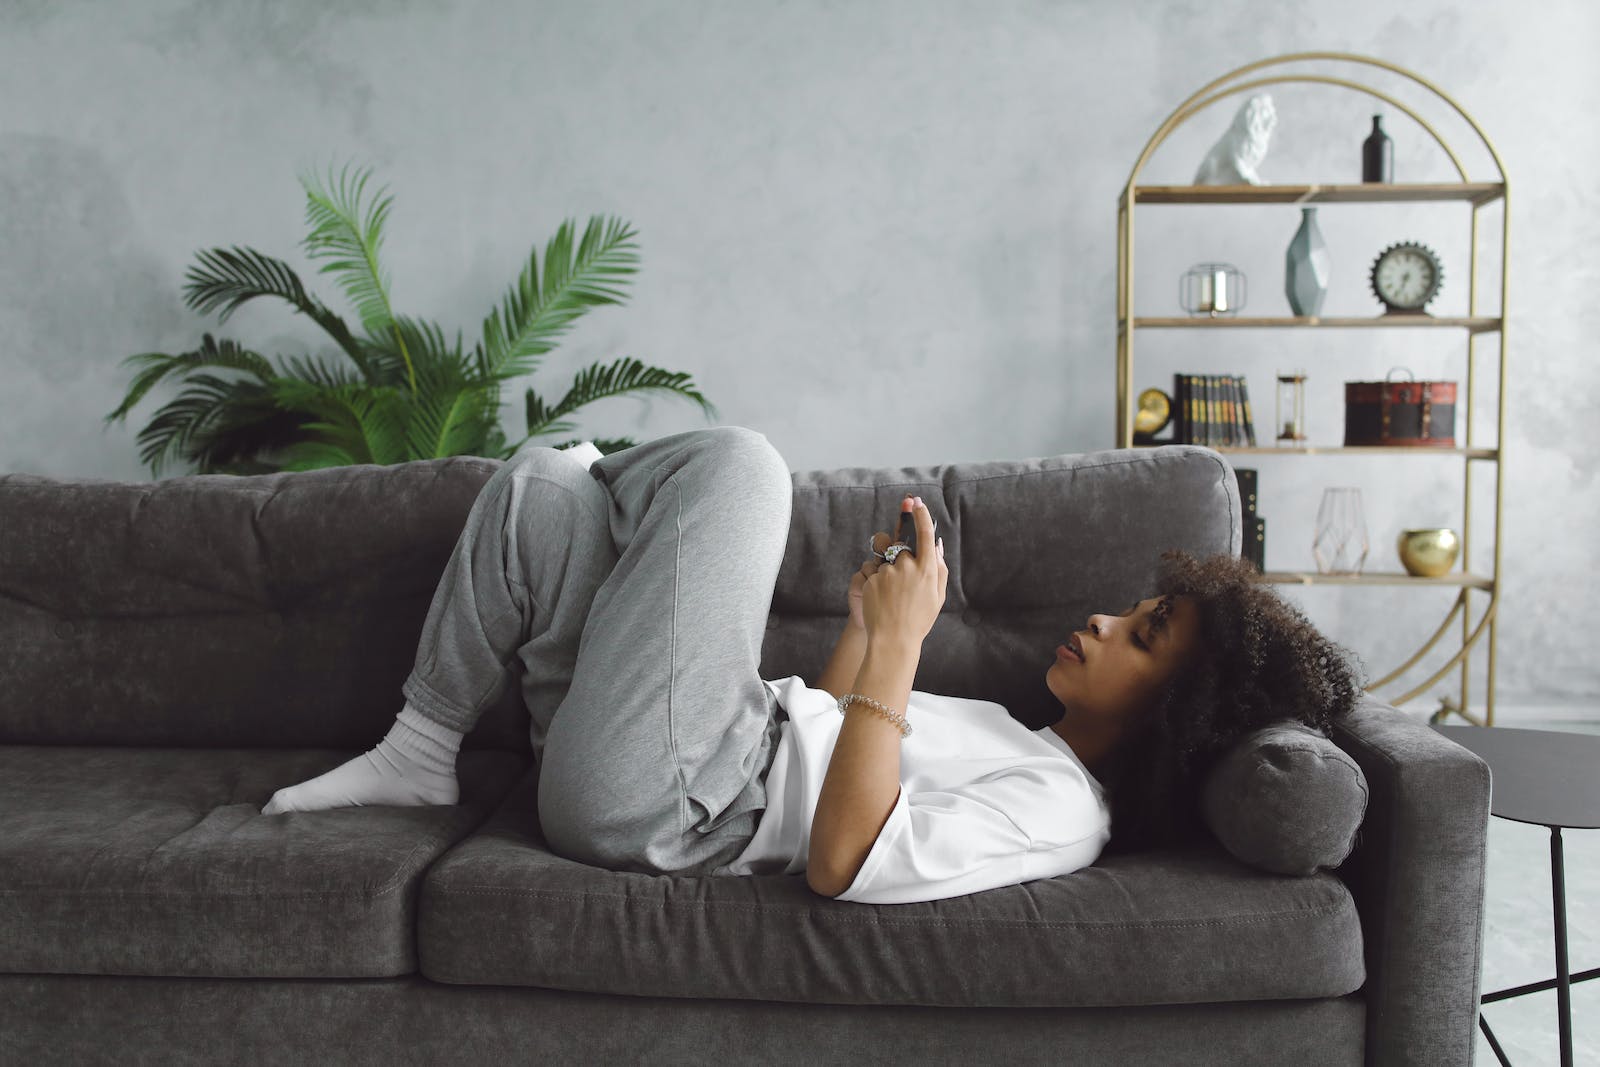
point(858, 581)
point(901, 600)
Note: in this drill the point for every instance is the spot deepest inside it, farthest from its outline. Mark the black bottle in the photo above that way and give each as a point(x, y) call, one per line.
point(1377, 154)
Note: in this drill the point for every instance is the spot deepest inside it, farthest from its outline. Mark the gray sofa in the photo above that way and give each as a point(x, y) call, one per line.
point(172, 652)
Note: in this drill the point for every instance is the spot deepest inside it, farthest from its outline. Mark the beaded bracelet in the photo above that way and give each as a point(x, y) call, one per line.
point(886, 712)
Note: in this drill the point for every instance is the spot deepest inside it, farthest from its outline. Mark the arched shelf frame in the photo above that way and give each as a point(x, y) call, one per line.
point(1198, 102)
point(1218, 90)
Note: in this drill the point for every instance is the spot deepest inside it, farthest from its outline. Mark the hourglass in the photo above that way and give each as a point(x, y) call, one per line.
point(1291, 408)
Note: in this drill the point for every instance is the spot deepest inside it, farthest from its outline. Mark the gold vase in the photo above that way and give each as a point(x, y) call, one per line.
point(1428, 553)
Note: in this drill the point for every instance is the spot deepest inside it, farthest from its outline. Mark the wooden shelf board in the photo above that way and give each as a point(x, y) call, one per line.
point(1473, 324)
point(1360, 450)
point(1376, 578)
point(1364, 193)
point(1379, 578)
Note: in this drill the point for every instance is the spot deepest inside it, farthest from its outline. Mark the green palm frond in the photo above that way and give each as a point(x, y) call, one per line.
point(451, 411)
point(226, 278)
point(314, 370)
point(465, 417)
point(541, 418)
point(626, 375)
point(411, 343)
point(252, 425)
point(186, 418)
point(533, 315)
point(211, 353)
point(350, 238)
point(359, 424)
point(494, 445)
point(311, 454)
point(448, 423)
point(425, 339)
point(449, 415)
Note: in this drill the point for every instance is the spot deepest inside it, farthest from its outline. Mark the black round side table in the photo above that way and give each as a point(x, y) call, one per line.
point(1547, 778)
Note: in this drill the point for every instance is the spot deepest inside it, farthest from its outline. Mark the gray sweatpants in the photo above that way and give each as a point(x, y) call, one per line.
point(629, 601)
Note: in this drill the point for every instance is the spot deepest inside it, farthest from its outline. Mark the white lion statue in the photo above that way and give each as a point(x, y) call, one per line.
point(1234, 158)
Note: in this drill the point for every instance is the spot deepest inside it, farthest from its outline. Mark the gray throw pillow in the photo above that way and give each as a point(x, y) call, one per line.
point(1286, 799)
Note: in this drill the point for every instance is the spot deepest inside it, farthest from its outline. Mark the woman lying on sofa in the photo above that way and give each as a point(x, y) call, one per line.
point(634, 591)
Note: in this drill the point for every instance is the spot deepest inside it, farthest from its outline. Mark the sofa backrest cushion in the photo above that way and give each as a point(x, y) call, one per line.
point(1034, 546)
point(275, 610)
point(284, 609)
point(1286, 799)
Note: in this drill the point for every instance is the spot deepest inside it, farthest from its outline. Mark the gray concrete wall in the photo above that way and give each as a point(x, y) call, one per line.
point(882, 232)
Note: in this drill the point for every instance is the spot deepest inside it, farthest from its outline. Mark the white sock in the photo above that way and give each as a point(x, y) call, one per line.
point(415, 764)
point(584, 452)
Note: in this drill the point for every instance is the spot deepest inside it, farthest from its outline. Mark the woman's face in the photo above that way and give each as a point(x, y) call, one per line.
point(1118, 664)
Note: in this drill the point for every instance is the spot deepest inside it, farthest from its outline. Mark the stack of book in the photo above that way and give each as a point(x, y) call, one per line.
point(1255, 527)
point(1212, 410)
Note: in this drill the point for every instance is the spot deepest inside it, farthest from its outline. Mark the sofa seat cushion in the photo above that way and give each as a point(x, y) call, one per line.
point(158, 861)
point(1187, 925)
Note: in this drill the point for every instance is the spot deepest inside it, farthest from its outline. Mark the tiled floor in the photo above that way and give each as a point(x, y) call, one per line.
point(1519, 934)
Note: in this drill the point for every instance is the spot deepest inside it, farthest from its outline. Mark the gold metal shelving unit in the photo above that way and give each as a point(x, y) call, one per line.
point(1476, 193)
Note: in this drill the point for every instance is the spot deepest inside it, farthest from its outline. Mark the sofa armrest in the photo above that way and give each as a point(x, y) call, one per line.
point(1417, 875)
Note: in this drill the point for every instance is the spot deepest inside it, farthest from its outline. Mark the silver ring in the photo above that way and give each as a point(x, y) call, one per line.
point(873, 548)
point(894, 550)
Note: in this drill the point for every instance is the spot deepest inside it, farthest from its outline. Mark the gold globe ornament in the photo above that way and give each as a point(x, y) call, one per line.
point(1428, 553)
point(1153, 416)
point(1155, 411)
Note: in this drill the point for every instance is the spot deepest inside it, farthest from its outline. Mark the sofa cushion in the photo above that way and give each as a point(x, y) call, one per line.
point(228, 611)
point(284, 610)
point(159, 862)
point(1286, 799)
point(1034, 546)
point(1180, 926)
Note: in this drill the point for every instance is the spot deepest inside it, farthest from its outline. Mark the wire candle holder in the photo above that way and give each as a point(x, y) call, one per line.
point(1212, 289)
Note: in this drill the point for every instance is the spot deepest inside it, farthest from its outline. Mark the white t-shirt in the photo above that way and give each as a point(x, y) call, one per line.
point(984, 802)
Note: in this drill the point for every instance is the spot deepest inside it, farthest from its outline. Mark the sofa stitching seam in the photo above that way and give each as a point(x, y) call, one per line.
point(970, 479)
point(876, 921)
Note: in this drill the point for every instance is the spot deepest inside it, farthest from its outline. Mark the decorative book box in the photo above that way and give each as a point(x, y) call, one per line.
point(1407, 414)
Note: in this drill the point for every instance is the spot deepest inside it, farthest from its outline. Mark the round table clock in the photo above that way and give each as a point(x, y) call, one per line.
point(1405, 277)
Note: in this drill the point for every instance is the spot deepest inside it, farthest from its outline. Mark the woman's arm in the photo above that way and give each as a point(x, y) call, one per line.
point(863, 778)
point(899, 605)
point(846, 660)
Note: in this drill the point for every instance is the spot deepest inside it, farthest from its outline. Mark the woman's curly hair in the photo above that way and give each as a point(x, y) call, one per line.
point(1261, 661)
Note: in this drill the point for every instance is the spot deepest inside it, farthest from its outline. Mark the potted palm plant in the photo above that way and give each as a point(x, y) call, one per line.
point(410, 394)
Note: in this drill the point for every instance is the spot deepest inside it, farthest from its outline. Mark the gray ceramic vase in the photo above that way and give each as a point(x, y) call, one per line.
point(1306, 266)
